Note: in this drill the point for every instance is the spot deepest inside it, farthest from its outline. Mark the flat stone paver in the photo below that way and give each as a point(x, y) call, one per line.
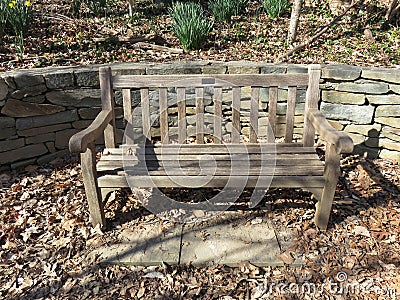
point(150, 244)
point(228, 239)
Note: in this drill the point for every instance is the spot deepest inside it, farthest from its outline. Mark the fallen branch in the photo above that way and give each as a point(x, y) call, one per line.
point(318, 34)
point(121, 39)
point(158, 47)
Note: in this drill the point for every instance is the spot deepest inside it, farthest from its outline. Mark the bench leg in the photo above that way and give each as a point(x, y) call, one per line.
point(89, 174)
point(331, 174)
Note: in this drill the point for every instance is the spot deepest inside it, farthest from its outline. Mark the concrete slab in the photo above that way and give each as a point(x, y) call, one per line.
point(150, 244)
point(230, 238)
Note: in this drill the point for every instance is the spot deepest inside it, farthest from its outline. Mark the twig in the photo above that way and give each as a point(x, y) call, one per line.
point(121, 39)
point(158, 47)
point(318, 34)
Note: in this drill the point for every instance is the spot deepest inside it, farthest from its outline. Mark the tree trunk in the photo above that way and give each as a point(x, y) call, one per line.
point(294, 21)
point(393, 10)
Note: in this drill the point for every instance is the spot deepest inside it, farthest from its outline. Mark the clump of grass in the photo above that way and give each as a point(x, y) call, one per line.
point(190, 24)
point(223, 10)
point(274, 8)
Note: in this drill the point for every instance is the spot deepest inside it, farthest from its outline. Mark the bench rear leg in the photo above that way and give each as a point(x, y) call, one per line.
point(331, 174)
point(89, 174)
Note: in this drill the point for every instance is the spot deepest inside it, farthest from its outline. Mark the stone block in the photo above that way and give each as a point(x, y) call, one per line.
point(62, 138)
point(389, 144)
point(7, 132)
point(17, 108)
point(87, 78)
point(31, 93)
point(25, 79)
point(297, 69)
point(3, 89)
point(393, 122)
point(341, 72)
point(336, 124)
point(52, 156)
point(391, 133)
point(135, 97)
point(9, 80)
point(6, 122)
point(395, 88)
point(89, 113)
point(383, 99)
point(214, 69)
point(243, 68)
point(273, 69)
point(23, 163)
point(129, 69)
point(44, 129)
point(388, 154)
point(387, 111)
point(388, 75)
point(343, 97)
point(367, 130)
point(59, 79)
point(61, 117)
point(355, 113)
point(11, 144)
point(366, 88)
point(41, 138)
point(81, 124)
point(23, 153)
point(357, 138)
point(170, 69)
point(51, 147)
point(78, 97)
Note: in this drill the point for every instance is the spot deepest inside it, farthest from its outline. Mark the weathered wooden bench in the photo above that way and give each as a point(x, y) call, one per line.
point(294, 164)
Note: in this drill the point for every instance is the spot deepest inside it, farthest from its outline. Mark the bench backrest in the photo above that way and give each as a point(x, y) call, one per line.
point(217, 88)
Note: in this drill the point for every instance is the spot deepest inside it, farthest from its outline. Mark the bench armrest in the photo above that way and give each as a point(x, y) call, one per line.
point(78, 143)
point(341, 141)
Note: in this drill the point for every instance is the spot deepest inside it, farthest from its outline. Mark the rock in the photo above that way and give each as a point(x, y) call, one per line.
point(78, 97)
point(22, 153)
point(389, 144)
point(366, 88)
point(243, 68)
point(357, 138)
point(11, 144)
point(3, 89)
point(89, 113)
point(393, 122)
point(50, 146)
point(9, 80)
point(389, 75)
point(62, 138)
point(59, 79)
point(388, 154)
point(6, 133)
point(30, 93)
point(6, 122)
point(25, 79)
point(135, 97)
point(81, 124)
point(170, 69)
point(383, 99)
point(273, 69)
point(395, 88)
point(40, 138)
point(282, 107)
point(214, 69)
point(52, 156)
point(129, 69)
point(31, 122)
point(391, 133)
point(42, 130)
point(297, 69)
point(367, 130)
point(387, 111)
point(23, 163)
point(361, 230)
point(335, 124)
point(341, 72)
point(355, 113)
point(17, 108)
point(87, 78)
point(342, 97)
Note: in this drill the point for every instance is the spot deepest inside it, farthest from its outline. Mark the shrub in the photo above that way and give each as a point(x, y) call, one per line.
point(274, 8)
point(223, 10)
point(189, 24)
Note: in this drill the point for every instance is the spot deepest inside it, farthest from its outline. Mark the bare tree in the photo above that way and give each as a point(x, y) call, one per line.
point(393, 11)
point(294, 21)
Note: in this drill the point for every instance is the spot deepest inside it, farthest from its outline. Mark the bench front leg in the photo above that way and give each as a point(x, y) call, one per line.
point(89, 174)
point(331, 175)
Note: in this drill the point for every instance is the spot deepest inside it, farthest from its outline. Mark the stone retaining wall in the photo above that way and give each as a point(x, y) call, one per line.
point(42, 108)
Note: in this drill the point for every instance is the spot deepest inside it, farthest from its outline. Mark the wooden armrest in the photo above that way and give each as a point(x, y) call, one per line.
point(342, 142)
point(78, 143)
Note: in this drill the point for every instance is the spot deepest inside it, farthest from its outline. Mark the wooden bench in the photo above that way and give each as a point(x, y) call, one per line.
point(294, 164)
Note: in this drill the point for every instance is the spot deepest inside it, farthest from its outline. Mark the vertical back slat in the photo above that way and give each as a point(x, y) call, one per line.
point(291, 107)
point(180, 93)
point(255, 95)
point(312, 97)
point(164, 116)
point(144, 95)
point(107, 103)
point(200, 115)
point(236, 114)
point(127, 105)
point(273, 99)
point(217, 115)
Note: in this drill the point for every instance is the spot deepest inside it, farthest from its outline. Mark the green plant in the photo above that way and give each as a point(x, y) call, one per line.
point(3, 17)
point(274, 8)
point(189, 24)
point(223, 10)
